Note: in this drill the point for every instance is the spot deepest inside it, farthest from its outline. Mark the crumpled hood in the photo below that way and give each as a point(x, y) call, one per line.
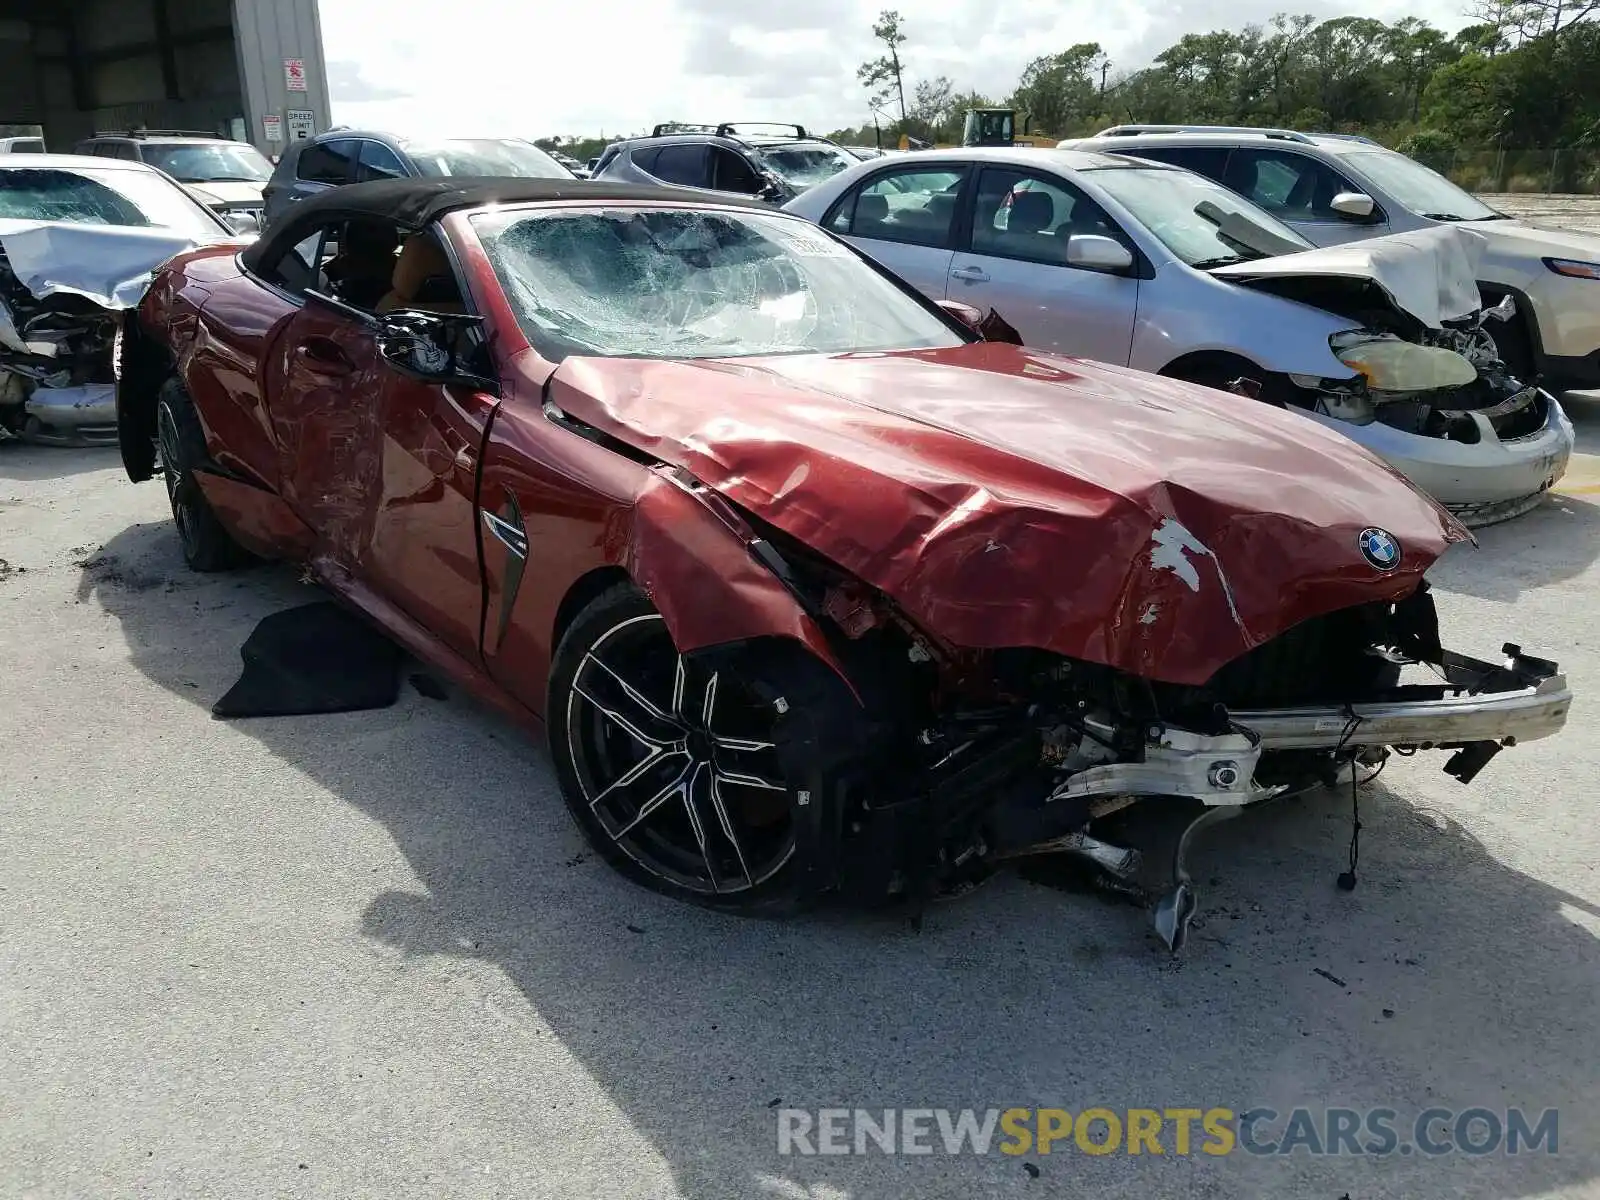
point(1430, 274)
point(1008, 498)
point(109, 264)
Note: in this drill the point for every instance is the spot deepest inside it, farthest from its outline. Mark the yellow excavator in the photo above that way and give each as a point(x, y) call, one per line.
point(990, 127)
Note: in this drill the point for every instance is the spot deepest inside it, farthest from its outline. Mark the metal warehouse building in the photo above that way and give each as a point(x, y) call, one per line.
point(247, 69)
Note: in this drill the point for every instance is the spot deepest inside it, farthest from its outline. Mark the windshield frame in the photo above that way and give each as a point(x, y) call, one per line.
point(108, 176)
point(961, 333)
point(1357, 161)
point(1213, 190)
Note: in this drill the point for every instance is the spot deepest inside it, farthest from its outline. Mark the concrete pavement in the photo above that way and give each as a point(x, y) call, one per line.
point(368, 955)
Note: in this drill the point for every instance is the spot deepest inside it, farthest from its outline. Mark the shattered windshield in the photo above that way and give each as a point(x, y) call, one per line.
point(86, 196)
point(208, 163)
point(805, 165)
point(668, 283)
point(1202, 223)
point(1418, 188)
point(485, 156)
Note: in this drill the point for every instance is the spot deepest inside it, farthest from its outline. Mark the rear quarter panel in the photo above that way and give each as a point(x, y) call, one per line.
point(223, 323)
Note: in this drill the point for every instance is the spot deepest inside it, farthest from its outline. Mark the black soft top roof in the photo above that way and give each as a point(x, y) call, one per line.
point(416, 203)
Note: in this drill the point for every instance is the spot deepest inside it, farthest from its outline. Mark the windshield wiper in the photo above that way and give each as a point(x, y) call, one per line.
point(1221, 260)
point(1444, 216)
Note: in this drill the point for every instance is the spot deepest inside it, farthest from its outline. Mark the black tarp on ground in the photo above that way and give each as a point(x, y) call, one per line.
point(319, 658)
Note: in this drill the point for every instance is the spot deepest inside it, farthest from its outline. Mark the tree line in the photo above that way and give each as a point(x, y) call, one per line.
point(1525, 75)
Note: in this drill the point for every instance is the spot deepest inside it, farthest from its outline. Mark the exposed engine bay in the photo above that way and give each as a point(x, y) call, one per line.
point(56, 366)
point(1427, 387)
point(971, 758)
point(1430, 381)
point(63, 286)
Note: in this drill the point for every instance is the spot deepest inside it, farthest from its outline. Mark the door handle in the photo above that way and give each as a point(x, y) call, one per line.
point(970, 274)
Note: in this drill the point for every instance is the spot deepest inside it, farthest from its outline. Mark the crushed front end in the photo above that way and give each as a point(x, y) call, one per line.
point(1440, 406)
point(57, 381)
point(969, 759)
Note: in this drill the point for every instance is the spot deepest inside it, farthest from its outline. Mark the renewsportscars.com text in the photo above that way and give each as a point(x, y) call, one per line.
point(1167, 1131)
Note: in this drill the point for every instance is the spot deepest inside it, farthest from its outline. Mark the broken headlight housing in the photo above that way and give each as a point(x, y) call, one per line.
point(1391, 364)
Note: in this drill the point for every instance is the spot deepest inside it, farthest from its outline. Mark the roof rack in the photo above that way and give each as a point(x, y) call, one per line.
point(1287, 135)
point(731, 128)
point(667, 127)
point(727, 128)
point(142, 132)
point(1348, 137)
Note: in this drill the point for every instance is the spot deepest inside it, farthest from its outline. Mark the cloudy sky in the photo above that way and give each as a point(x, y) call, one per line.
point(510, 68)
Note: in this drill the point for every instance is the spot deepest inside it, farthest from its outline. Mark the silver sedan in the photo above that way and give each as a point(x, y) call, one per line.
point(1160, 269)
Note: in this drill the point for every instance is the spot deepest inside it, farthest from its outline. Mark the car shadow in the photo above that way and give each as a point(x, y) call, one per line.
point(22, 462)
point(1556, 542)
point(1446, 978)
point(1583, 410)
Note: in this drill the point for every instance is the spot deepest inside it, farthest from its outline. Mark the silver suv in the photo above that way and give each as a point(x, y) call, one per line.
point(224, 175)
point(1337, 188)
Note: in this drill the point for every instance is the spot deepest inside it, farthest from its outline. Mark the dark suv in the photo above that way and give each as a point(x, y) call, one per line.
point(342, 156)
point(224, 175)
point(732, 157)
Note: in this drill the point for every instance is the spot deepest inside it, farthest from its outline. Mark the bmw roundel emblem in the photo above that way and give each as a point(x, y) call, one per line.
point(1378, 547)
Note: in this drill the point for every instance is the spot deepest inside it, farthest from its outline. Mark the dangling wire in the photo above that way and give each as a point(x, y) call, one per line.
point(1347, 879)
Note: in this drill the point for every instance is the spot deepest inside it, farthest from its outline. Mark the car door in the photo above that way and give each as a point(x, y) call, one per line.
point(1299, 190)
point(687, 165)
point(226, 371)
point(1015, 261)
point(730, 172)
point(904, 217)
point(323, 387)
point(381, 464)
point(423, 552)
point(324, 165)
point(377, 161)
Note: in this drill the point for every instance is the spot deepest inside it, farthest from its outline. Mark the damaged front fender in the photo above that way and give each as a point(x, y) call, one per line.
point(703, 574)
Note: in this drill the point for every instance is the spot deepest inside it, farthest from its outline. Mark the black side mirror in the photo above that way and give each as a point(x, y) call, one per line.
point(435, 347)
point(990, 326)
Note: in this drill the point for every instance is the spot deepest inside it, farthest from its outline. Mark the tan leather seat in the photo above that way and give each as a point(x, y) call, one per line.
point(422, 262)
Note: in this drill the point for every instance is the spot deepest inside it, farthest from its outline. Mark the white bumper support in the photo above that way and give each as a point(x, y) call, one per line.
point(1505, 717)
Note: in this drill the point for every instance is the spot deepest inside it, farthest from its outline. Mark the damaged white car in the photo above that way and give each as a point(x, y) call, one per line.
point(79, 239)
point(1160, 269)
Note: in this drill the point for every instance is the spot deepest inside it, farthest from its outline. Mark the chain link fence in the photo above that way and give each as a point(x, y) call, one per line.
point(1549, 172)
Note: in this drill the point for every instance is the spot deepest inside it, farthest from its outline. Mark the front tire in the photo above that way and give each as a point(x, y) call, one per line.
point(206, 544)
point(671, 766)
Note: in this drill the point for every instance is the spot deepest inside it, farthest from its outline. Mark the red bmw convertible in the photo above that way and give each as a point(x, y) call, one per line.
point(813, 589)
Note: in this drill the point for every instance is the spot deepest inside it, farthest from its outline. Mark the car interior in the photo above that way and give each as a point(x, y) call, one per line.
point(1021, 217)
point(365, 264)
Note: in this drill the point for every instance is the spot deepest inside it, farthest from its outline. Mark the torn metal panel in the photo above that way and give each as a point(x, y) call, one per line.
point(1430, 274)
point(955, 481)
point(108, 264)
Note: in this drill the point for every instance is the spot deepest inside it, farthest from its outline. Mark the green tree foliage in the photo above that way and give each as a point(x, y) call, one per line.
point(1526, 77)
point(884, 77)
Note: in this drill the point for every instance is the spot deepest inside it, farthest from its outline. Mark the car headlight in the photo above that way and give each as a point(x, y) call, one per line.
point(1573, 268)
point(1391, 365)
